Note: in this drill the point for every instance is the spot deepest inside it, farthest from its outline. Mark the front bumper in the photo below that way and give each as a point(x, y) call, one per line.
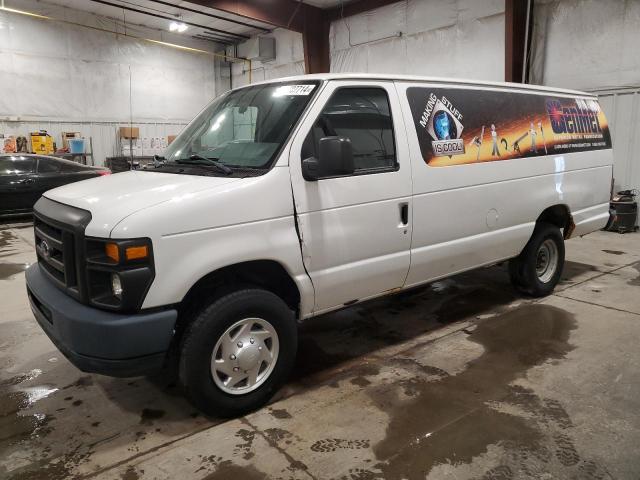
point(96, 341)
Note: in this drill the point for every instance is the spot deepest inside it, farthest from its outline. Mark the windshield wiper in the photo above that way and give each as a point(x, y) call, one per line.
point(200, 160)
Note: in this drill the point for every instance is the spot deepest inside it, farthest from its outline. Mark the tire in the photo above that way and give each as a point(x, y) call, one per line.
point(264, 313)
point(527, 271)
point(514, 274)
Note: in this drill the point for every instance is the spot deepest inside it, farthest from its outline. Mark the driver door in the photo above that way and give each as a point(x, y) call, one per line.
point(355, 229)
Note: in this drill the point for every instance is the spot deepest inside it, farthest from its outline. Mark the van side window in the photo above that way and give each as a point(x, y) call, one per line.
point(364, 116)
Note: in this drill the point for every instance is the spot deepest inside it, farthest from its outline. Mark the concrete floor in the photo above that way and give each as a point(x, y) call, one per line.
point(462, 379)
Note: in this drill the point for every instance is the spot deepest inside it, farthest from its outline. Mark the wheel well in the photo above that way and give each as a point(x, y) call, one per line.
point(267, 274)
point(560, 216)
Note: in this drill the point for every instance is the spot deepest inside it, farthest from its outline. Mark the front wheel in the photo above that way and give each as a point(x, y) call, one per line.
point(537, 270)
point(237, 352)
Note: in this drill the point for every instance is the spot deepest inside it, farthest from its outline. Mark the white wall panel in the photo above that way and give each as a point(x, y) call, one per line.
point(62, 77)
point(450, 38)
point(587, 44)
point(622, 108)
point(593, 45)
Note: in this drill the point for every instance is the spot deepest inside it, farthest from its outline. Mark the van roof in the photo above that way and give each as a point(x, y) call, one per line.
point(415, 78)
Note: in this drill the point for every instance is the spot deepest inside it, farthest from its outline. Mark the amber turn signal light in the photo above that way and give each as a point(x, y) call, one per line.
point(134, 253)
point(111, 250)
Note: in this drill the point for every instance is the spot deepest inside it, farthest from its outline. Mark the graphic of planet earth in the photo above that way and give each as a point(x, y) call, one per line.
point(444, 126)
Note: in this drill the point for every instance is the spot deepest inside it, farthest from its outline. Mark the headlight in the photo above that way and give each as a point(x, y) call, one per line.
point(116, 285)
point(119, 272)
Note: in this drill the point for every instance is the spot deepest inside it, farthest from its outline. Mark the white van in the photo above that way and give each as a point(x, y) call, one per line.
point(287, 199)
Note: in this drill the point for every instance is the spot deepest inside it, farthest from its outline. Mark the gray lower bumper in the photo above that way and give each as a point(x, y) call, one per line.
point(97, 341)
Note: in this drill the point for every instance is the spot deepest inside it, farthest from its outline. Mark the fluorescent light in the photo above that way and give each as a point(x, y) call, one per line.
point(177, 27)
point(22, 12)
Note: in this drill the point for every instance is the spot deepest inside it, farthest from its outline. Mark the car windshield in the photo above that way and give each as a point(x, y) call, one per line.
point(244, 128)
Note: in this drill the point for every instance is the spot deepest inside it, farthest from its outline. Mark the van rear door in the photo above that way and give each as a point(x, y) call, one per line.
point(355, 229)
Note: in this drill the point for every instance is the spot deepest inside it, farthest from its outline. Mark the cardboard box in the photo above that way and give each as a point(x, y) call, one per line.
point(65, 139)
point(42, 143)
point(129, 132)
point(170, 138)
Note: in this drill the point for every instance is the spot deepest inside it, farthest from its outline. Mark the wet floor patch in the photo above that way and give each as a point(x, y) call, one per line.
point(349, 335)
point(20, 420)
point(16, 424)
point(453, 419)
point(148, 415)
point(8, 270)
point(226, 470)
point(279, 413)
point(575, 269)
point(131, 473)
point(6, 239)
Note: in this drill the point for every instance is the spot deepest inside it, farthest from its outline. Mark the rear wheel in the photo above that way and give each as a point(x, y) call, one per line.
point(237, 352)
point(537, 270)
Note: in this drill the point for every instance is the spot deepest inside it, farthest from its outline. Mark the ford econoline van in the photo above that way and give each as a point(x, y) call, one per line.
point(291, 198)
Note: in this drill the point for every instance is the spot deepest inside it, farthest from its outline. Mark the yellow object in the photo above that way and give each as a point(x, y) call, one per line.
point(133, 253)
point(42, 143)
point(111, 249)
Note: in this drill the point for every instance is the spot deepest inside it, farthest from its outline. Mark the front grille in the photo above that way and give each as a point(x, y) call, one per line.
point(54, 248)
point(59, 236)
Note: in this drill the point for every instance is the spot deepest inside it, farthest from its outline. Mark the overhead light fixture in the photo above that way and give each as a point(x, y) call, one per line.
point(177, 27)
point(22, 12)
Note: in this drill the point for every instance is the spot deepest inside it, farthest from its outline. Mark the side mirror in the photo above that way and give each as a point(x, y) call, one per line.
point(310, 169)
point(335, 159)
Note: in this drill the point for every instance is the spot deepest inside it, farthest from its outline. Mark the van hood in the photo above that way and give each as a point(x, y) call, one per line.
point(112, 198)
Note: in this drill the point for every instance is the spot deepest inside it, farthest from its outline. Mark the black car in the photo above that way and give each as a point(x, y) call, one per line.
point(24, 178)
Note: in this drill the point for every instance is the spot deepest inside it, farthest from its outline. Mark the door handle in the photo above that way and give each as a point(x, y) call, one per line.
point(26, 180)
point(404, 213)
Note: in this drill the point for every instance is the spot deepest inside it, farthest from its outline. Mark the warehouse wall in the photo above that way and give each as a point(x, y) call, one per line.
point(289, 61)
point(454, 38)
point(448, 38)
point(622, 107)
point(593, 45)
point(63, 77)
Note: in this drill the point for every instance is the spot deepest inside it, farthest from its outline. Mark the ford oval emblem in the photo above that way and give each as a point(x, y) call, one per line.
point(45, 249)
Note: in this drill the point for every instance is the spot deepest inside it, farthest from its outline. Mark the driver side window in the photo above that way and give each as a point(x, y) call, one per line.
point(364, 116)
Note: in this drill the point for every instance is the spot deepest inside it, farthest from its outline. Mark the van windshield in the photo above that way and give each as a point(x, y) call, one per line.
point(244, 128)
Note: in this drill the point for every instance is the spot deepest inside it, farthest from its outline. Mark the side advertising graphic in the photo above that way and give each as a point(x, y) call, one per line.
point(458, 126)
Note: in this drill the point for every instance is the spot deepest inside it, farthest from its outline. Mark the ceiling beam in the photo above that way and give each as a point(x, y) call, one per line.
point(207, 14)
point(287, 14)
point(517, 41)
point(315, 41)
point(356, 7)
point(156, 15)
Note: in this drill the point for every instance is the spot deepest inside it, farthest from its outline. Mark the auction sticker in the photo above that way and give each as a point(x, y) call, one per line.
point(293, 90)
